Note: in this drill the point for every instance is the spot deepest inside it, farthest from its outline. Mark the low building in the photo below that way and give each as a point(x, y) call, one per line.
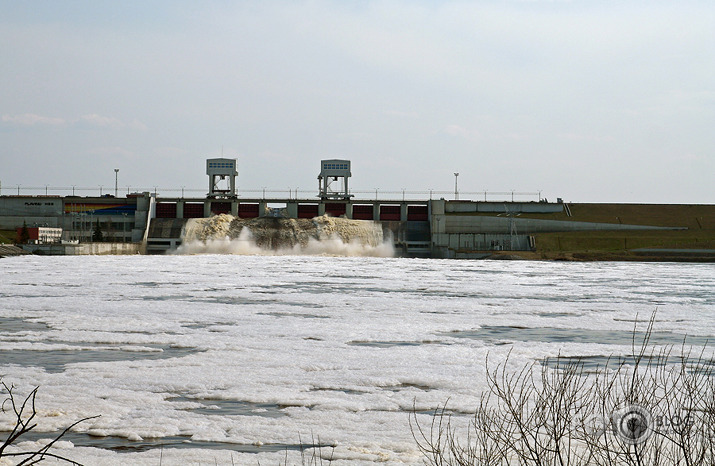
point(41, 234)
point(120, 219)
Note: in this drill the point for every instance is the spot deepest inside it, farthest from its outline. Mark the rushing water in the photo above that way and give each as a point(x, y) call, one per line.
point(217, 359)
point(225, 234)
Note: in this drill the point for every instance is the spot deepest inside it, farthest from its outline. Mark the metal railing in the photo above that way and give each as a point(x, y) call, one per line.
point(275, 193)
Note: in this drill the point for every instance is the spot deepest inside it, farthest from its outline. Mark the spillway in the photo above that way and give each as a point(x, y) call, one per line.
point(226, 234)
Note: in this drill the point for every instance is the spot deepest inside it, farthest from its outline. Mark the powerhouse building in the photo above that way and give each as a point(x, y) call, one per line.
point(121, 220)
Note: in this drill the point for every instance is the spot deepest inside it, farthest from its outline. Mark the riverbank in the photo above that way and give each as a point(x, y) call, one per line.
point(8, 250)
point(645, 255)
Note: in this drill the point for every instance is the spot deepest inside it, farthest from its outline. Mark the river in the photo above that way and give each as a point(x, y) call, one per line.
point(227, 359)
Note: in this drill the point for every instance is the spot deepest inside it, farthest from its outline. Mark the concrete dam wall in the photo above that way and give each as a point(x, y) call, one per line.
point(418, 228)
point(436, 228)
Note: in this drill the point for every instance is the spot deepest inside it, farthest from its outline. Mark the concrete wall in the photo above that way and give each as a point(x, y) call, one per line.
point(482, 241)
point(35, 211)
point(83, 249)
point(454, 229)
point(488, 224)
point(501, 207)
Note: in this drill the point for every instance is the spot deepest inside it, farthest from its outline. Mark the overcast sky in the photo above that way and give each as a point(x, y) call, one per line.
point(592, 101)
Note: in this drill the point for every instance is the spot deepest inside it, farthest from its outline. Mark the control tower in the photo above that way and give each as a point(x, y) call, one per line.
point(331, 171)
point(219, 170)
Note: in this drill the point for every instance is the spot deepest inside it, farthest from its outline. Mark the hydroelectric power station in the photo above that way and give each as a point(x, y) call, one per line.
point(417, 228)
point(146, 222)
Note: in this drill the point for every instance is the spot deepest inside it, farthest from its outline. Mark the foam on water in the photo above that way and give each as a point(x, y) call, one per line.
point(225, 234)
point(225, 355)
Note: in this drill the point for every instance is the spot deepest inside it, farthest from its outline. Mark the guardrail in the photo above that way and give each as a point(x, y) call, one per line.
point(273, 193)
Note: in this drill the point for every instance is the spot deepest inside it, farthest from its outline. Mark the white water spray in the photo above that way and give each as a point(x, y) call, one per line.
point(225, 234)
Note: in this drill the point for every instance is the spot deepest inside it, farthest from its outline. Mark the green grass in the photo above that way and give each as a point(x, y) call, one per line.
point(7, 236)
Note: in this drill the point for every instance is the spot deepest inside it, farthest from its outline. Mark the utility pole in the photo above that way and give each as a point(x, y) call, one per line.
point(456, 191)
point(116, 178)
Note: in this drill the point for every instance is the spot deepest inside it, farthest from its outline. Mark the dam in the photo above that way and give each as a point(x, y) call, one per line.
point(415, 228)
point(336, 222)
point(405, 225)
point(436, 228)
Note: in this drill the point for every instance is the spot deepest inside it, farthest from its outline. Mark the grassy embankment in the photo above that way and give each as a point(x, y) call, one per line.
point(7, 236)
point(619, 245)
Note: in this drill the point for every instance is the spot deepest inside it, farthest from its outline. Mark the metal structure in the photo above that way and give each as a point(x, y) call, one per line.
point(513, 234)
point(332, 171)
point(219, 170)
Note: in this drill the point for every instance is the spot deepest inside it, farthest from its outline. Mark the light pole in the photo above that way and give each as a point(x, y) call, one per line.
point(116, 178)
point(456, 191)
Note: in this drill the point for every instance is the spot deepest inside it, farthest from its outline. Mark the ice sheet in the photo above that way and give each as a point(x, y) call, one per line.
point(338, 348)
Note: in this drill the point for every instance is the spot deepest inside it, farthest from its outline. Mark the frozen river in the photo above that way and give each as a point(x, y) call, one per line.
point(216, 359)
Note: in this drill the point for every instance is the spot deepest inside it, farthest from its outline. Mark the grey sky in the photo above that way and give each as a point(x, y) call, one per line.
point(586, 100)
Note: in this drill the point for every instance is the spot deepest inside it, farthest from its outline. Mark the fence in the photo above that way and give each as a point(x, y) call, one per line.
point(272, 193)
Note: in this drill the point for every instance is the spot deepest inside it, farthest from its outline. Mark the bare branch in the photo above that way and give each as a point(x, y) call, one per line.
point(654, 407)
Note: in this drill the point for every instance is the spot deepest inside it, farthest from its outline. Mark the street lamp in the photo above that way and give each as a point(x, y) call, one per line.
point(116, 177)
point(456, 191)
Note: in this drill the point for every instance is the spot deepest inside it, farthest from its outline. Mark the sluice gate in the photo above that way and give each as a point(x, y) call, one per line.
point(406, 222)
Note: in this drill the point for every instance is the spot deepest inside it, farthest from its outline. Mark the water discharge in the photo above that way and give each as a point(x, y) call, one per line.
point(226, 234)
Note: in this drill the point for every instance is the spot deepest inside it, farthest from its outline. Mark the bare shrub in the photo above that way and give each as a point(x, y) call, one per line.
point(654, 407)
point(317, 456)
point(25, 414)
